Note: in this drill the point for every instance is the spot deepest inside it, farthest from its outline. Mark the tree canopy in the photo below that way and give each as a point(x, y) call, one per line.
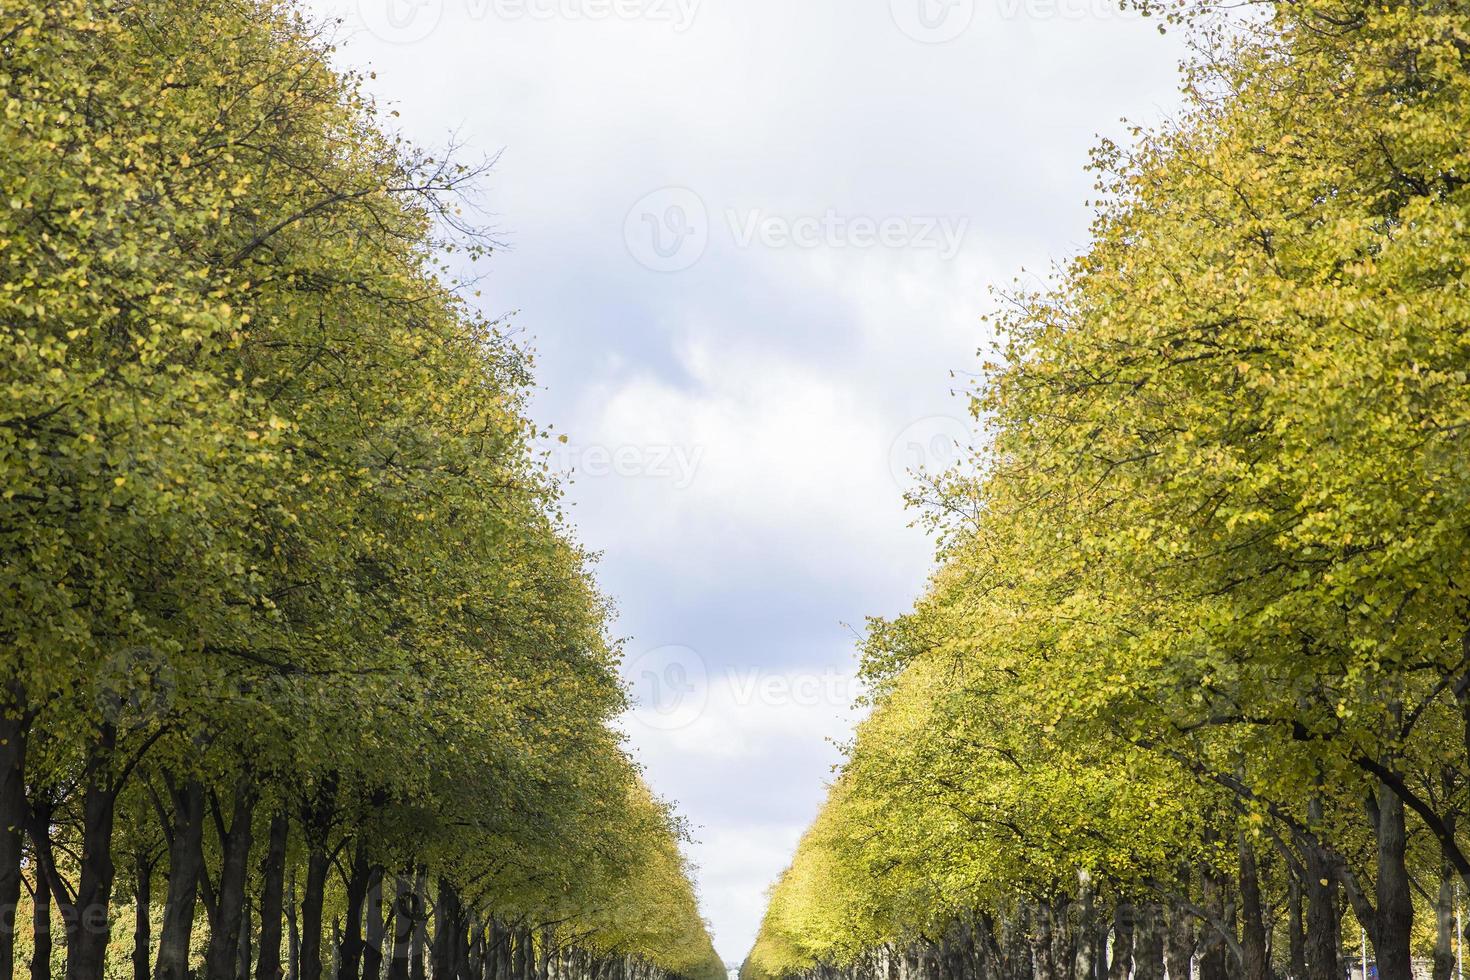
point(295, 635)
point(1193, 679)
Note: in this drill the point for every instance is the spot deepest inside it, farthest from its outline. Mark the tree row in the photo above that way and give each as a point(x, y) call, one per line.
point(301, 673)
point(1189, 694)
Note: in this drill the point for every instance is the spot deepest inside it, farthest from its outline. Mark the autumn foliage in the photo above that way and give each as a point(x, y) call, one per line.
point(1191, 688)
point(300, 668)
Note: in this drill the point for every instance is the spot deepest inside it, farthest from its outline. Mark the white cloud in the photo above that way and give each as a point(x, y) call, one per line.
point(737, 865)
point(767, 731)
point(772, 437)
point(722, 715)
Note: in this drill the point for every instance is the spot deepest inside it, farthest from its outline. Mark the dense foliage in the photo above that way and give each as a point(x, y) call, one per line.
point(1191, 690)
point(301, 670)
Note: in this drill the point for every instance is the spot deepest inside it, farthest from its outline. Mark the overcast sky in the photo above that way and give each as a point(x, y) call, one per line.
point(751, 240)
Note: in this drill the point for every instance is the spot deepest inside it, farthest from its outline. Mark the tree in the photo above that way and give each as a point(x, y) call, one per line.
point(1204, 589)
point(287, 590)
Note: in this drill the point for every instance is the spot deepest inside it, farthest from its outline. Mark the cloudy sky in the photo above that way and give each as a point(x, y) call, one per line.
point(751, 240)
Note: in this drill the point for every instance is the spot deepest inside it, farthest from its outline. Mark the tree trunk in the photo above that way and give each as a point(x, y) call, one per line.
point(350, 950)
point(1324, 920)
point(1296, 931)
point(1395, 904)
point(499, 952)
point(41, 929)
point(242, 963)
point(493, 952)
point(1148, 944)
point(518, 957)
point(1256, 964)
point(142, 917)
point(1179, 946)
point(446, 925)
point(42, 944)
point(1122, 958)
point(273, 883)
point(403, 921)
point(1213, 955)
point(543, 958)
point(1444, 921)
point(462, 945)
point(293, 938)
point(475, 961)
point(13, 820)
point(1023, 966)
point(1087, 947)
point(372, 954)
point(1041, 943)
point(416, 963)
point(186, 860)
point(1064, 941)
point(528, 958)
point(88, 929)
point(223, 953)
point(502, 953)
point(317, 862)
